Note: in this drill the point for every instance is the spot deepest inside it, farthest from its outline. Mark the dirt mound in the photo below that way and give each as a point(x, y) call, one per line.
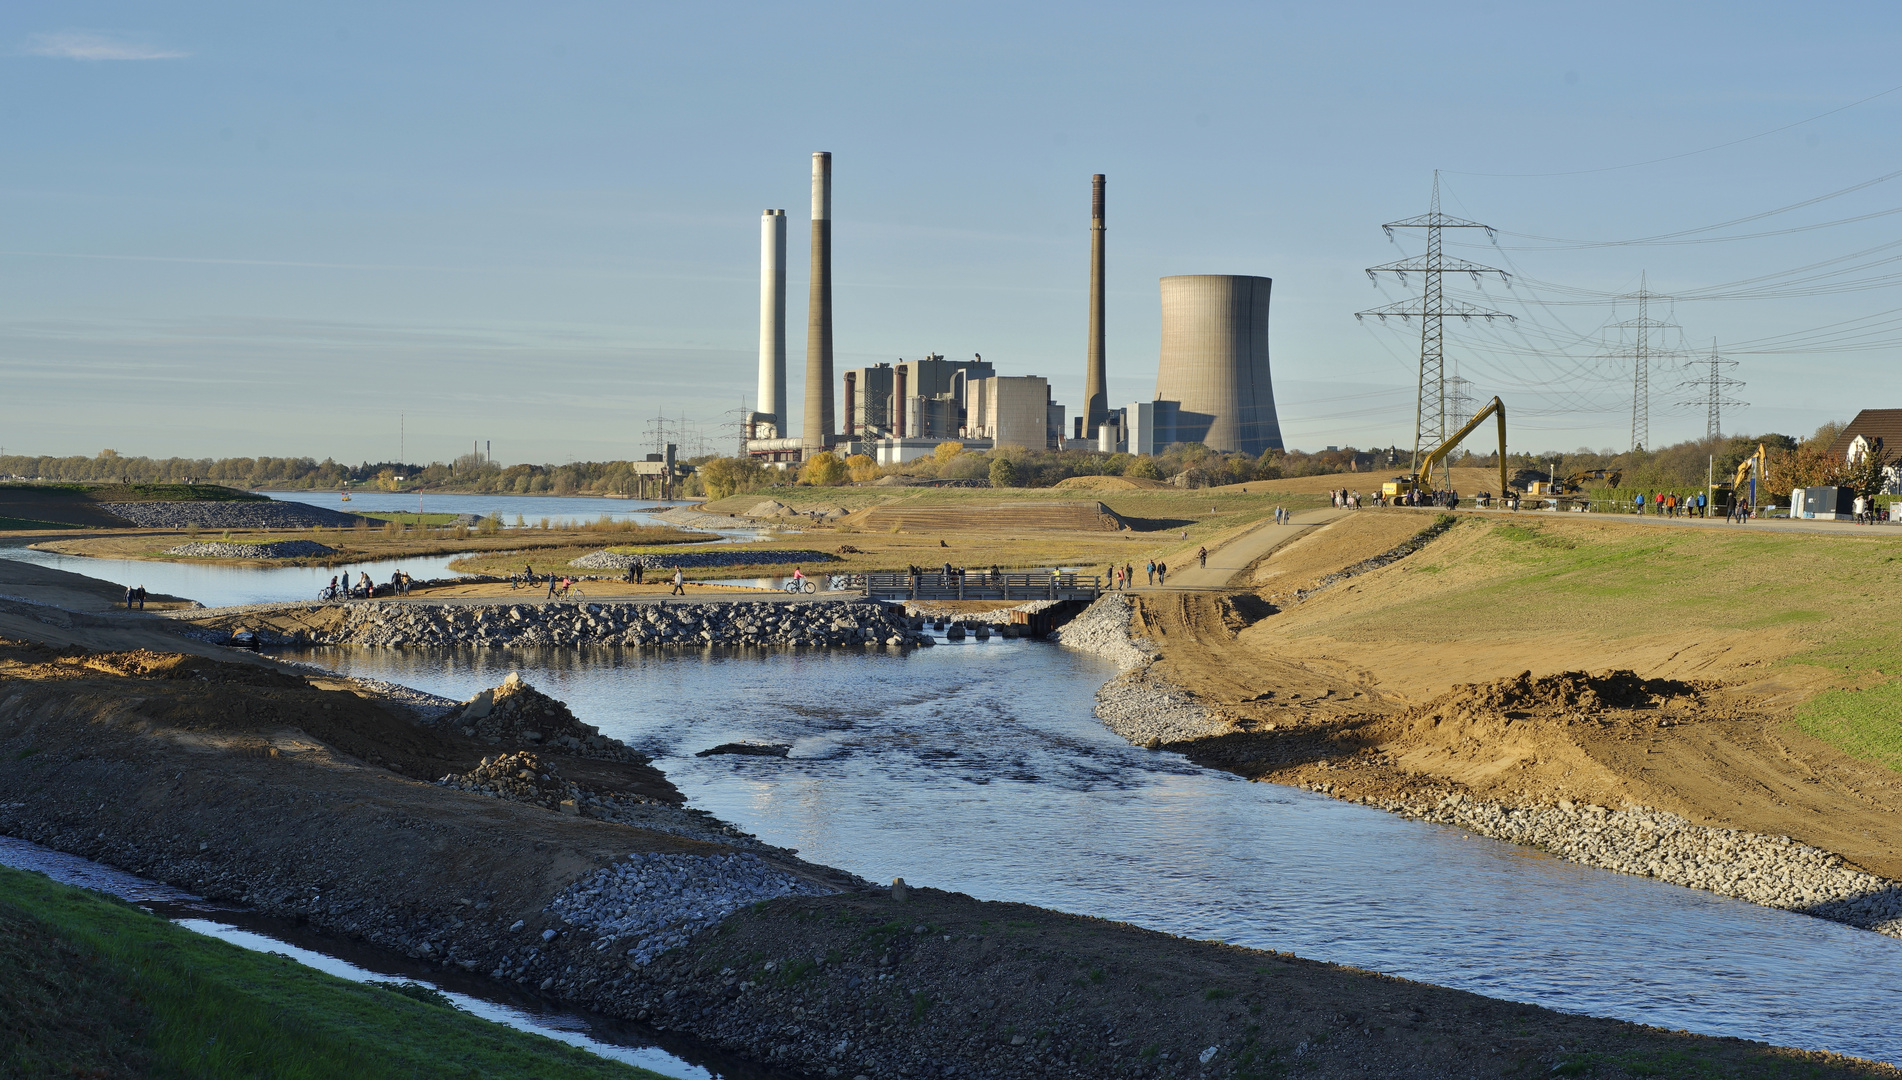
point(769, 508)
point(520, 776)
point(1108, 483)
point(516, 712)
point(1569, 692)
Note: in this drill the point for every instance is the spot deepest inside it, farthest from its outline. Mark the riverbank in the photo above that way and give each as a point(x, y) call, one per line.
point(313, 802)
point(1712, 767)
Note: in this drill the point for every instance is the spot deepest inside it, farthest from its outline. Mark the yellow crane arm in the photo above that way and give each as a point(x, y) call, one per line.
point(1496, 408)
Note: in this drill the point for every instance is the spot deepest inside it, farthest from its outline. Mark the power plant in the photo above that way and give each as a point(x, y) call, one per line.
point(1212, 383)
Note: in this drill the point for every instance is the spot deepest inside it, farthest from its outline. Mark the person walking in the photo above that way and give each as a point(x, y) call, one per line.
point(550, 595)
point(1129, 576)
point(1162, 573)
point(680, 583)
point(1151, 567)
point(129, 597)
point(640, 573)
point(141, 598)
point(369, 590)
point(1202, 557)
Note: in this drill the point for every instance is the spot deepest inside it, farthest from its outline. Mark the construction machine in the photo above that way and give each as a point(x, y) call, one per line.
point(1420, 478)
point(1755, 469)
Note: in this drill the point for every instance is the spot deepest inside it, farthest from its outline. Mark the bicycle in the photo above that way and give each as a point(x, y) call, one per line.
point(798, 585)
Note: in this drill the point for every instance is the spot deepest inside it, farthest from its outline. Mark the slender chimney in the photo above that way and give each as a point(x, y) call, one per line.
point(1095, 379)
point(772, 319)
point(818, 427)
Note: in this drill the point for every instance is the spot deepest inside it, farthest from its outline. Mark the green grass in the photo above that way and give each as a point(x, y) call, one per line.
point(12, 524)
point(1860, 723)
point(90, 986)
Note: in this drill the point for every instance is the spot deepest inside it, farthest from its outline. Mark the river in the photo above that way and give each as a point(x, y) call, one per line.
point(979, 767)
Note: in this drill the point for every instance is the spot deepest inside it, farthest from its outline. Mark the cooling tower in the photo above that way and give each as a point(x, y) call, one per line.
point(1215, 361)
point(817, 430)
point(772, 319)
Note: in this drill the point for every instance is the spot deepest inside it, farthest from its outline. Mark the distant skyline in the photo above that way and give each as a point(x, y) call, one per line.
point(230, 230)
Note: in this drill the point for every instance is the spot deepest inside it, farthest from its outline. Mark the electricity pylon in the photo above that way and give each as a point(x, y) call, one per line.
point(1430, 424)
point(1640, 357)
point(1715, 389)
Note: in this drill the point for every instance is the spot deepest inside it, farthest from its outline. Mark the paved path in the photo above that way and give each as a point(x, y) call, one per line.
point(1227, 562)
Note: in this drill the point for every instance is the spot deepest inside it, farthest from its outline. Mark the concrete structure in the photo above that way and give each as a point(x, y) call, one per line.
point(1215, 362)
point(817, 430)
point(896, 451)
point(1011, 410)
point(1096, 373)
point(770, 407)
point(910, 399)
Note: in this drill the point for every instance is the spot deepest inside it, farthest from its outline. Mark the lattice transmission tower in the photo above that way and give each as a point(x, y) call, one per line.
point(1714, 391)
point(1430, 414)
point(1640, 356)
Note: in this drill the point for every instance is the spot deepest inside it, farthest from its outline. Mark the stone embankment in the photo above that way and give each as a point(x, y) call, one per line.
point(1142, 708)
point(282, 549)
point(656, 902)
point(1774, 871)
point(767, 624)
point(690, 560)
point(271, 514)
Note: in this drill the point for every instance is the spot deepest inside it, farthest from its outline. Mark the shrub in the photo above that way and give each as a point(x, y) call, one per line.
point(1003, 473)
point(823, 469)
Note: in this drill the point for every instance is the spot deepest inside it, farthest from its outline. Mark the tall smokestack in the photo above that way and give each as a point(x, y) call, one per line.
point(818, 428)
point(772, 319)
point(1095, 379)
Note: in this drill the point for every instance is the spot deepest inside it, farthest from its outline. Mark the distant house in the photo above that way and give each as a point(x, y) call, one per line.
point(1873, 428)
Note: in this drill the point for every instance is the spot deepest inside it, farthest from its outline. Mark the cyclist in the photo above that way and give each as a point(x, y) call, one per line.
point(798, 579)
point(1202, 556)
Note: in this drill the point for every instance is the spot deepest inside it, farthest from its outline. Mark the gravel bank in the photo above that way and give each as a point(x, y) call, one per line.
point(1142, 708)
point(654, 902)
point(411, 625)
point(688, 560)
point(282, 549)
point(228, 515)
point(1774, 871)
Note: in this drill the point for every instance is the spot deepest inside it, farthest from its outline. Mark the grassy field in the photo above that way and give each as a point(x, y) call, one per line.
point(93, 987)
point(1825, 603)
point(1147, 509)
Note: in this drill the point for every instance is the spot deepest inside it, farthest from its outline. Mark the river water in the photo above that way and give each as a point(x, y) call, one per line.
point(979, 767)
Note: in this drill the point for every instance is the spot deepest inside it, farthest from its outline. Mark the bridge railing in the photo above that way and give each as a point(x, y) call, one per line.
point(977, 585)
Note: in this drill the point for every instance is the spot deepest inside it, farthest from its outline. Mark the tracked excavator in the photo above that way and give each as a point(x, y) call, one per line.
point(1419, 481)
point(1755, 469)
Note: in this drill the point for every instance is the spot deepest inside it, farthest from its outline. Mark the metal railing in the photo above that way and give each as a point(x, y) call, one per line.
point(976, 585)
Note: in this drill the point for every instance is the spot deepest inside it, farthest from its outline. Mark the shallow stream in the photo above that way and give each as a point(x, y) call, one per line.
point(979, 767)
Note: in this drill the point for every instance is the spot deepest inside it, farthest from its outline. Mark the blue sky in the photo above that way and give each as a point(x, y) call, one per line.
point(274, 229)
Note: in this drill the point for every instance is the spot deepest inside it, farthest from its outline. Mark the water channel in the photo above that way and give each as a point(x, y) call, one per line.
point(979, 767)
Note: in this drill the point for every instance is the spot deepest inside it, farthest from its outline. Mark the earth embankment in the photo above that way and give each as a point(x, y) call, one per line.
point(1402, 686)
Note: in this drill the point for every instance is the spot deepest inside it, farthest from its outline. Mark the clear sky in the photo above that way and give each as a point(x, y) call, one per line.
point(231, 229)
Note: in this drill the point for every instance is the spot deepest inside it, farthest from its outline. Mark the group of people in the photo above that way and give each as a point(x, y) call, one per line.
point(1671, 504)
point(340, 588)
point(1345, 499)
point(135, 596)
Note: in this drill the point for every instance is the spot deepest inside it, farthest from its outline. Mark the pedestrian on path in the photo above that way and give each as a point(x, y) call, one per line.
point(1202, 557)
point(680, 583)
point(1162, 573)
point(129, 598)
point(1152, 571)
point(141, 598)
point(1129, 575)
point(551, 587)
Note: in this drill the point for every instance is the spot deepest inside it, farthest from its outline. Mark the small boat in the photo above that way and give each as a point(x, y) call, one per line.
point(346, 497)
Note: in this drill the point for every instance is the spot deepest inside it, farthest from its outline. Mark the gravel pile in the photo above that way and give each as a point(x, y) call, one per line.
point(1103, 629)
point(519, 777)
point(1774, 871)
point(688, 560)
point(282, 549)
point(270, 514)
point(516, 712)
point(864, 623)
point(655, 902)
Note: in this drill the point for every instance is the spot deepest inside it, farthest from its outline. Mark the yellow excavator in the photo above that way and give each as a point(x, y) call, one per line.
point(1419, 480)
point(1755, 469)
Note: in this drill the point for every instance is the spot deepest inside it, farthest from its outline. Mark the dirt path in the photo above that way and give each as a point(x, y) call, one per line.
point(1229, 560)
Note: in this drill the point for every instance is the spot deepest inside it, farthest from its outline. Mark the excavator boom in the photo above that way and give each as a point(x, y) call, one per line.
point(1495, 408)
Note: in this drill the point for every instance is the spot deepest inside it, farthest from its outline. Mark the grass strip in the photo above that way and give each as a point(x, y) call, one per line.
point(99, 987)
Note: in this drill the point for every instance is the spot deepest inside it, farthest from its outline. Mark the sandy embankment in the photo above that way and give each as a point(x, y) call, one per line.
point(1702, 781)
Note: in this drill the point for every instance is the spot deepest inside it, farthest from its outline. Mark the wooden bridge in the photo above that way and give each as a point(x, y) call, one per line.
point(975, 585)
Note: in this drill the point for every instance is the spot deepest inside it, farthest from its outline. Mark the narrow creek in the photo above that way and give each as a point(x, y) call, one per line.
point(979, 767)
point(630, 1043)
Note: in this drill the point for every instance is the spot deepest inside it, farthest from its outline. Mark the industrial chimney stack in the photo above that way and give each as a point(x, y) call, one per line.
point(1095, 379)
point(818, 426)
point(772, 320)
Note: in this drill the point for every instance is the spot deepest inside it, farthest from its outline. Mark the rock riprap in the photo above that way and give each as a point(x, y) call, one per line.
point(1774, 871)
point(749, 623)
point(1136, 705)
point(281, 549)
point(269, 514)
point(690, 560)
point(1103, 629)
point(655, 902)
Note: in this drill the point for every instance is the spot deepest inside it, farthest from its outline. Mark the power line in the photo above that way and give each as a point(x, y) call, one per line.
point(1429, 408)
point(1716, 386)
point(1640, 358)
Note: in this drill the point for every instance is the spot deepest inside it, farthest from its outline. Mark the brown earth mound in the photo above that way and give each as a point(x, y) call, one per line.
point(1574, 692)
